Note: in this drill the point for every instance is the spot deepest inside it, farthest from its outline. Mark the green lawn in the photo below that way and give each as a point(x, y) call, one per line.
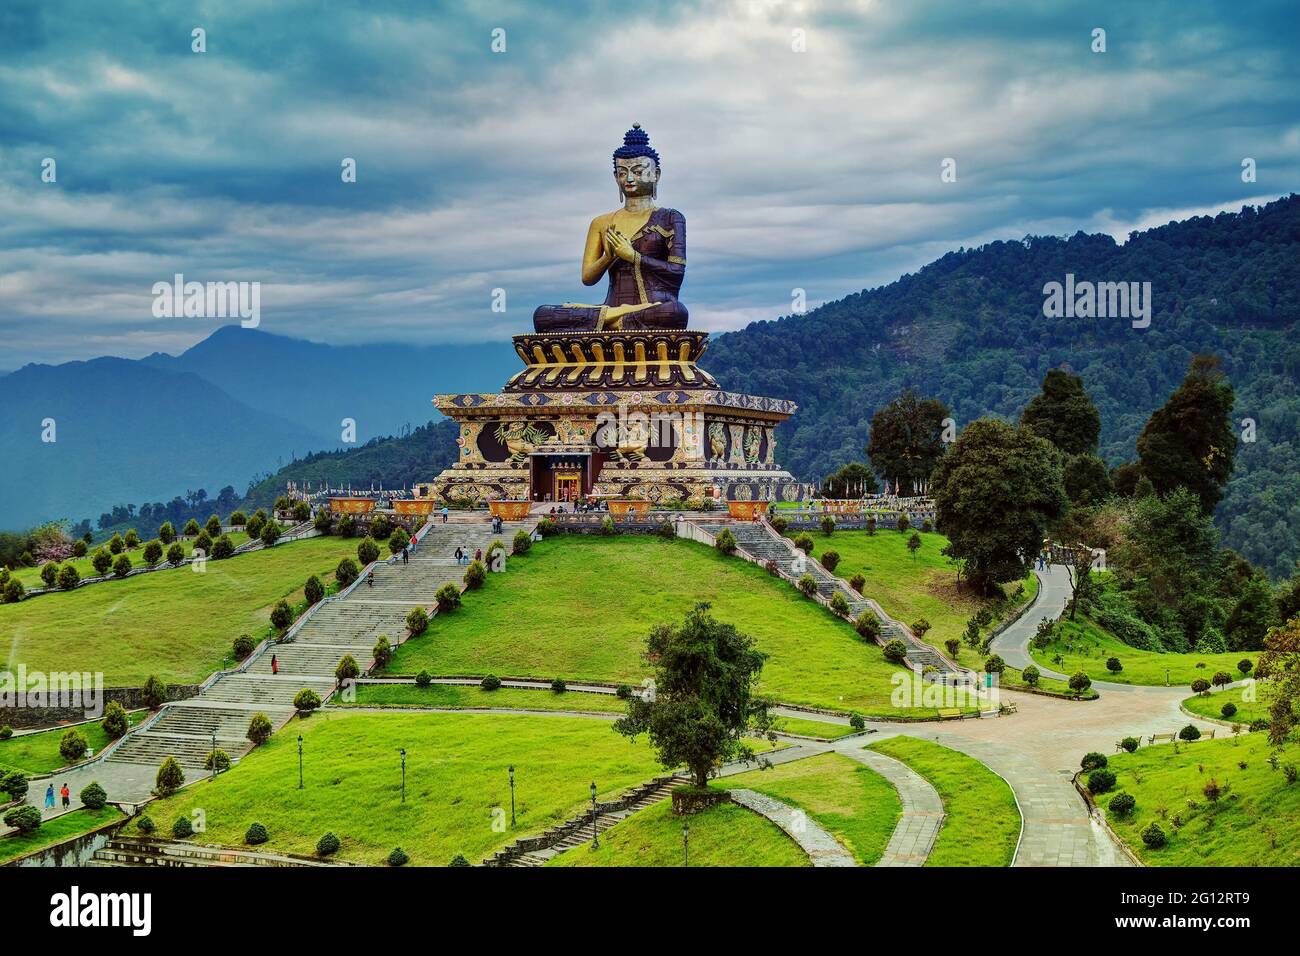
point(455, 779)
point(812, 728)
point(178, 624)
point(911, 586)
point(580, 608)
point(31, 577)
point(1257, 823)
point(454, 695)
point(854, 803)
point(1084, 646)
point(725, 835)
point(39, 753)
point(53, 831)
point(981, 824)
point(1248, 711)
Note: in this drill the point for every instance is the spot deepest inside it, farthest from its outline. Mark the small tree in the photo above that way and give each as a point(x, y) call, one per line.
point(1113, 665)
point(346, 572)
point(301, 511)
point(417, 621)
point(237, 519)
point(475, 575)
point(705, 705)
point(399, 540)
point(305, 701)
point(259, 729)
point(166, 532)
point(383, 651)
point(1221, 679)
point(1030, 675)
point(858, 583)
point(1244, 666)
point(49, 573)
point(153, 552)
point(122, 566)
point(828, 525)
point(953, 646)
point(115, 722)
point(72, 746)
point(995, 665)
point(904, 524)
point(313, 590)
point(914, 543)
point(868, 626)
point(804, 543)
point(523, 541)
point(223, 547)
point(203, 542)
point(79, 548)
point(217, 761)
point(840, 604)
point(1079, 683)
point(132, 539)
point(93, 796)
point(213, 527)
point(725, 542)
point(155, 692)
point(191, 528)
point(1201, 686)
point(920, 626)
point(170, 777)
point(270, 534)
point(101, 561)
point(281, 615)
point(24, 818)
point(808, 585)
point(175, 553)
point(348, 669)
point(69, 578)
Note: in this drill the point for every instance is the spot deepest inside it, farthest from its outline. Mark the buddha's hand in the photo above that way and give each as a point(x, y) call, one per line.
point(619, 244)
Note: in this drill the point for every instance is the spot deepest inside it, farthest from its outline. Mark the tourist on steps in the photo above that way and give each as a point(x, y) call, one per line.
point(370, 578)
point(405, 555)
point(458, 555)
point(444, 514)
point(478, 554)
point(275, 664)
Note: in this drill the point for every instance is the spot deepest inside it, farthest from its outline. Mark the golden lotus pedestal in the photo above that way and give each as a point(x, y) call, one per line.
point(352, 506)
point(413, 506)
point(747, 510)
point(509, 510)
point(628, 507)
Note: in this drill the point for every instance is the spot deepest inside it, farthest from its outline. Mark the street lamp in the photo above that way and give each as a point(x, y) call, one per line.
point(686, 842)
point(300, 761)
point(511, 768)
point(595, 834)
point(403, 774)
point(214, 753)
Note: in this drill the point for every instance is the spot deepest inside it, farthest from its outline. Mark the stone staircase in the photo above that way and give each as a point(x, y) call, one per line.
point(535, 851)
point(144, 851)
point(348, 623)
point(758, 540)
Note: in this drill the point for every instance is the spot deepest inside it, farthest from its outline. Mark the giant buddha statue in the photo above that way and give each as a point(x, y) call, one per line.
point(641, 246)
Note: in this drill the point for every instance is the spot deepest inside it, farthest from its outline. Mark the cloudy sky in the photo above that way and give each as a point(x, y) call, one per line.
point(802, 140)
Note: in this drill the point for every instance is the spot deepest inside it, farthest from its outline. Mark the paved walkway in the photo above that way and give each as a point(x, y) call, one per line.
point(1013, 643)
point(822, 848)
point(918, 827)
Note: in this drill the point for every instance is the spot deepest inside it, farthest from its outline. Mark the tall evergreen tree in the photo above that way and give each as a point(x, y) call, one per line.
point(850, 481)
point(907, 439)
point(1189, 441)
point(1064, 414)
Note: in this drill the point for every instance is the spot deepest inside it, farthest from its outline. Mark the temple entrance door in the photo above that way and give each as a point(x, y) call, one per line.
point(568, 485)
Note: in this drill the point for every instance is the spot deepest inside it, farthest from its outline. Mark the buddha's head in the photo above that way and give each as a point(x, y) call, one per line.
point(636, 164)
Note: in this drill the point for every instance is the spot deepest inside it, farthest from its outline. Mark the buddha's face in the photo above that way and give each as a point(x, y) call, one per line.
point(637, 176)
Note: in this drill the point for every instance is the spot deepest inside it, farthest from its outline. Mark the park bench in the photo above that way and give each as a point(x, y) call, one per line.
point(950, 713)
point(1009, 707)
point(1160, 738)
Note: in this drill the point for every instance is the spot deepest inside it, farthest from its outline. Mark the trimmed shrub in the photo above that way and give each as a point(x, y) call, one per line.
point(858, 583)
point(166, 532)
point(1030, 675)
point(423, 679)
point(995, 665)
point(79, 548)
point(256, 834)
point(190, 530)
point(458, 860)
point(170, 777)
point(115, 722)
point(868, 626)
point(324, 521)
point(153, 552)
point(808, 585)
point(448, 597)
point(1092, 760)
point(840, 604)
point(381, 529)
point(72, 746)
point(804, 543)
point(15, 784)
point(1189, 733)
point(830, 560)
point(217, 760)
point(608, 528)
point(1129, 744)
point(203, 542)
point(1122, 804)
point(1228, 709)
point(398, 857)
point(14, 591)
point(259, 729)
point(182, 828)
point(623, 692)
point(93, 795)
point(827, 524)
point(101, 561)
point(1200, 686)
point(155, 692)
point(347, 669)
point(398, 540)
point(523, 542)
point(559, 686)
point(895, 651)
point(223, 548)
point(1244, 665)
point(69, 577)
point(122, 566)
point(779, 524)
point(212, 526)
point(313, 590)
point(475, 575)
point(725, 542)
point(666, 530)
point(49, 573)
point(243, 646)
point(301, 511)
point(175, 553)
point(1101, 780)
point(24, 818)
point(144, 823)
point(383, 651)
point(1079, 683)
point(346, 572)
point(270, 533)
point(1113, 665)
point(857, 722)
point(417, 622)
point(281, 615)
point(1154, 837)
point(491, 682)
point(1221, 679)
point(306, 700)
point(920, 626)
point(547, 527)
point(347, 527)
point(903, 524)
point(237, 519)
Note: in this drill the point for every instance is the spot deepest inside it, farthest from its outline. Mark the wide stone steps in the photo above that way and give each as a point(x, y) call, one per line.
point(319, 660)
point(190, 752)
point(125, 851)
point(241, 689)
point(202, 721)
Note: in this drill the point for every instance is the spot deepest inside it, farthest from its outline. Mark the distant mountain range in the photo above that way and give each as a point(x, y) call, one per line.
point(238, 405)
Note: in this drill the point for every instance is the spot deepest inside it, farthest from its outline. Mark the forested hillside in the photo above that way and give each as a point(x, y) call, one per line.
point(970, 330)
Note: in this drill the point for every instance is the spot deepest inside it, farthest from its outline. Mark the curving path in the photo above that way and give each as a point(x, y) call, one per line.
point(822, 848)
point(918, 827)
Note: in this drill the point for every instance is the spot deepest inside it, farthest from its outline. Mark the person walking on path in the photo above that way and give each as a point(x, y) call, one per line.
point(444, 514)
point(67, 795)
point(49, 798)
point(458, 554)
point(415, 542)
point(478, 554)
point(406, 555)
point(275, 664)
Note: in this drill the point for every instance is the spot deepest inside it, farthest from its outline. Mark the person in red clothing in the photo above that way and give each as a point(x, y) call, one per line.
point(275, 665)
point(478, 554)
point(67, 795)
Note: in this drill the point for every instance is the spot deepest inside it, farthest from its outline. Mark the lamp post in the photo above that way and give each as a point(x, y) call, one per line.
point(214, 753)
point(686, 842)
point(511, 768)
point(403, 774)
point(300, 761)
point(595, 834)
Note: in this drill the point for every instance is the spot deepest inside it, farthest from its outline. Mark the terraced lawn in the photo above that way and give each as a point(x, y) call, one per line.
point(812, 728)
point(178, 624)
point(580, 608)
point(31, 577)
point(457, 787)
point(855, 804)
point(725, 835)
point(1255, 823)
point(39, 753)
point(981, 825)
point(1248, 710)
point(1084, 646)
point(57, 830)
point(454, 695)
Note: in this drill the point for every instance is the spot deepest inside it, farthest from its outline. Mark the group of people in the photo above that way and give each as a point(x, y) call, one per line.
point(463, 556)
point(64, 792)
